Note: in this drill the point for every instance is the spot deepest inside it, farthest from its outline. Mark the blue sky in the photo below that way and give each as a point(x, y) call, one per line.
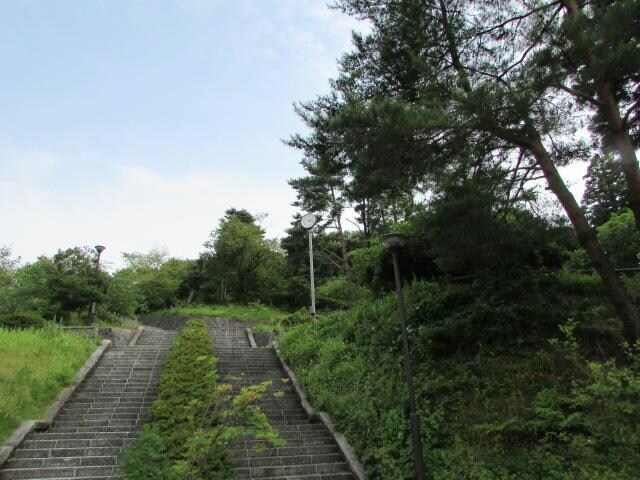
point(136, 123)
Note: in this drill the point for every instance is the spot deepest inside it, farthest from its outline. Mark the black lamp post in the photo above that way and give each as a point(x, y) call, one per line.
point(393, 242)
point(92, 308)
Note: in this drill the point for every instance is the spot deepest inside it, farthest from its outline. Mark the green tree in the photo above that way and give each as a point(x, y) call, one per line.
point(124, 296)
point(157, 278)
point(325, 190)
point(621, 239)
point(592, 53)
point(240, 249)
point(440, 90)
point(8, 282)
point(73, 281)
point(605, 192)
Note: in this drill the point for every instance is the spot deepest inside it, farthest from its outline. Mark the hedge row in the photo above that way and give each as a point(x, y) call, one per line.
point(195, 418)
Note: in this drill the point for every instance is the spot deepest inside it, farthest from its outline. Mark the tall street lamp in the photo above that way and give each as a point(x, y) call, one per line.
point(308, 221)
point(92, 309)
point(393, 242)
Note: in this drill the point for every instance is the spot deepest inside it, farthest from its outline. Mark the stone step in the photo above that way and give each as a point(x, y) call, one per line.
point(48, 435)
point(288, 460)
point(94, 429)
point(325, 476)
point(57, 472)
point(283, 451)
point(77, 443)
point(92, 410)
point(68, 452)
point(291, 470)
point(83, 460)
point(97, 423)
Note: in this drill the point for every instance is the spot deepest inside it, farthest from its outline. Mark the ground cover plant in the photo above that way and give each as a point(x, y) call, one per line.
point(510, 383)
point(35, 364)
point(195, 417)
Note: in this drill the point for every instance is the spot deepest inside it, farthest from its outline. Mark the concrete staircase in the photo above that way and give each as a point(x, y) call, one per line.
point(310, 453)
point(101, 418)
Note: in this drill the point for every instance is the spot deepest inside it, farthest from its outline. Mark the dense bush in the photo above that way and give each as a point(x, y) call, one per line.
point(21, 320)
point(497, 399)
point(194, 419)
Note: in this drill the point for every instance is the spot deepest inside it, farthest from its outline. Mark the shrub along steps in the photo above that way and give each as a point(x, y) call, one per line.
point(310, 452)
point(101, 419)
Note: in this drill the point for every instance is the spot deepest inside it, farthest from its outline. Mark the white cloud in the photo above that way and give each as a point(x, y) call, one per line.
point(33, 164)
point(134, 210)
point(305, 34)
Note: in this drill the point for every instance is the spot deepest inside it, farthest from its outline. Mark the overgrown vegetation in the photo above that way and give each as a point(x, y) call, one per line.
point(504, 387)
point(195, 417)
point(34, 366)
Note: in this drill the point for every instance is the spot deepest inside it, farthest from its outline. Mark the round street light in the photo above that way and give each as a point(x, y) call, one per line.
point(393, 242)
point(308, 221)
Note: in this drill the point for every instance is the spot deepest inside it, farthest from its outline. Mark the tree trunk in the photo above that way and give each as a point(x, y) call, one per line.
point(345, 262)
point(624, 146)
point(608, 108)
point(586, 235)
point(588, 240)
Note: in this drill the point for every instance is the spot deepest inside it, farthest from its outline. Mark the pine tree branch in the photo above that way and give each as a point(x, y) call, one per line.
point(533, 44)
point(625, 118)
point(517, 18)
point(584, 96)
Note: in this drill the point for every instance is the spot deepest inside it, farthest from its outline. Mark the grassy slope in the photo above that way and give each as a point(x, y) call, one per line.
point(255, 311)
point(34, 366)
point(504, 410)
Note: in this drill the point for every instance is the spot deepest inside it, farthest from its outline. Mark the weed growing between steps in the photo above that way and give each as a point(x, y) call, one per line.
point(35, 365)
point(194, 418)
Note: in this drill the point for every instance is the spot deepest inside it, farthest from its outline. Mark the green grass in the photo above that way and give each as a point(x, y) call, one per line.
point(253, 311)
point(34, 366)
point(127, 323)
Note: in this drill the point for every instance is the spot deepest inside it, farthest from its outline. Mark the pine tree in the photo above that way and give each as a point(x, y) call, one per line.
point(605, 190)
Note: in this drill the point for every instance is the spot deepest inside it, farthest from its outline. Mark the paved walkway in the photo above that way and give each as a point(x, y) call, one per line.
point(310, 453)
point(102, 417)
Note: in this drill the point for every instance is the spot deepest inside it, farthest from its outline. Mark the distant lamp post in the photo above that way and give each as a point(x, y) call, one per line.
point(393, 242)
point(309, 221)
point(92, 308)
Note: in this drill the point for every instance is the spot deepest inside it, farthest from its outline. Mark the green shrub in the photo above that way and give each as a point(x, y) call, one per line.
point(297, 318)
point(194, 419)
point(21, 320)
point(334, 293)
